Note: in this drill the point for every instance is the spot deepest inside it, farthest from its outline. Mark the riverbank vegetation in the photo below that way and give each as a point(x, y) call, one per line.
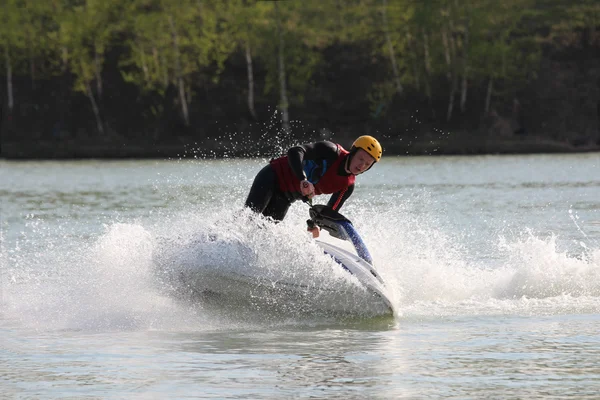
point(241, 77)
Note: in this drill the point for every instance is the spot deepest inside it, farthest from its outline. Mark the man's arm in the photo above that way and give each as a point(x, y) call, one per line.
point(337, 199)
point(310, 151)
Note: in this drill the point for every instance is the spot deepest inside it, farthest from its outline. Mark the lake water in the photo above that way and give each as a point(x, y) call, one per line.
point(493, 263)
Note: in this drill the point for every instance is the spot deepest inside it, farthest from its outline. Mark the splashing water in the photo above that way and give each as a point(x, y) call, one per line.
point(123, 279)
point(127, 270)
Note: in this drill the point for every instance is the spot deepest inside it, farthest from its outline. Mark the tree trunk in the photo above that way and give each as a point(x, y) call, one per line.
point(488, 96)
point(449, 74)
point(165, 70)
point(180, 82)
point(415, 62)
point(65, 59)
point(598, 122)
point(158, 61)
point(182, 99)
point(427, 65)
point(90, 95)
point(32, 67)
point(250, 81)
point(453, 90)
point(63, 102)
point(144, 64)
point(284, 104)
point(9, 86)
point(450, 53)
point(463, 93)
point(97, 69)
point(341, 23)
point(447, 54)
point(388, 39)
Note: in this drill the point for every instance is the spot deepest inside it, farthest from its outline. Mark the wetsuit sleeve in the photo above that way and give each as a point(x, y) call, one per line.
point(310, 151)
point(337, 199)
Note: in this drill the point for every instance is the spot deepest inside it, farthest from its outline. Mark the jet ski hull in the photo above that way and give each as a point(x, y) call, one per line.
point(364, 272)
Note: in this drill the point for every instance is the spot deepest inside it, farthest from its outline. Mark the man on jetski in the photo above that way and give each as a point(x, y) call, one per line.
point(308, 170)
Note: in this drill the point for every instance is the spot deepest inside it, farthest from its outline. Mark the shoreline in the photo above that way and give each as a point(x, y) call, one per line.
point(71, 150)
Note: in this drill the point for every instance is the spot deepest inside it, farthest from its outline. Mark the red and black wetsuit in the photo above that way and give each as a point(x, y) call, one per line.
point(277, 185)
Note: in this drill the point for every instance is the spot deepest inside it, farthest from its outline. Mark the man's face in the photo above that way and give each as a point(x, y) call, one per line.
point(361, 162)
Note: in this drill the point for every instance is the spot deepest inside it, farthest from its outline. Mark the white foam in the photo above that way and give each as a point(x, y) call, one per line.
point(430, 270)
point(109, 281)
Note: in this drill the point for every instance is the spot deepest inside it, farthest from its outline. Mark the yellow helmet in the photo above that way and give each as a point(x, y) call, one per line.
point(370, 145)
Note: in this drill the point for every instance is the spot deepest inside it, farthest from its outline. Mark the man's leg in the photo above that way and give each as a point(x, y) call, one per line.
point(277, 207)
point(262, 190)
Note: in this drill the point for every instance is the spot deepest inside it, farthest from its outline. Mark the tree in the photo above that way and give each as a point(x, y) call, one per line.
point(85, 33)
point(390, 45)
point(244, 20)
point(12, 39)
point(36, 23)
point(502, 56)
point(171, 43)
point(283, 97)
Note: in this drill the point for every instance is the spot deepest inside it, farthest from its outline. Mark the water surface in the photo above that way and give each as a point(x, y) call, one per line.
point(493, 262)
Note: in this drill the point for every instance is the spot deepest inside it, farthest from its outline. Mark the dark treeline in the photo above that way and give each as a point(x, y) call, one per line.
point(152, 77)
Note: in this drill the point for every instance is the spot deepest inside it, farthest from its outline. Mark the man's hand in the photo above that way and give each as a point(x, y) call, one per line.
point(315, 231)
point(307, 189)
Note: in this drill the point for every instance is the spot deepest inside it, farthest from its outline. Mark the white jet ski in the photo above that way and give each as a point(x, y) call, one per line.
point(360, 264)
point(225, 272)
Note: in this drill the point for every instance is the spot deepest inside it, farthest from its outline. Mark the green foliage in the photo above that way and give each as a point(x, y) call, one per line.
point(12, 36)
point(163, 41)
point(301, 54)
point(169, 40)
point(580, 22)
point(85, 31)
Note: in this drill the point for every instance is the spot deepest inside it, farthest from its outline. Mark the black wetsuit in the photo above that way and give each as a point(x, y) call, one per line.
point(307, 161)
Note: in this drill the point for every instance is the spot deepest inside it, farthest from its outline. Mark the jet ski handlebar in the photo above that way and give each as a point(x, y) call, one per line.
point(327, 218)
point(339, 227)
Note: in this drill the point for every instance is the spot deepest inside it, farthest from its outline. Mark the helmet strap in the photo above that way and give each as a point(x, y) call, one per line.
point(349, 157)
